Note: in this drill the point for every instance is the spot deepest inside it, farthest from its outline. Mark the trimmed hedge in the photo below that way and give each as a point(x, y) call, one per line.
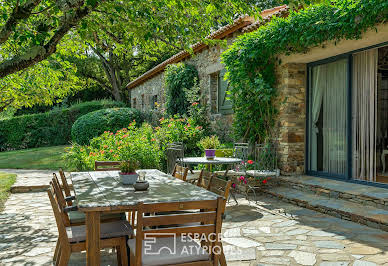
point(95, 123)
point(46, 129)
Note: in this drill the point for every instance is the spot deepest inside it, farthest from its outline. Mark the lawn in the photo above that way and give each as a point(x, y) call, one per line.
point(6, 181)
point(37, 158)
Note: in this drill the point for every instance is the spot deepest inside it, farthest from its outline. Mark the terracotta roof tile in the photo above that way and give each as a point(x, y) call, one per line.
point(279, 12)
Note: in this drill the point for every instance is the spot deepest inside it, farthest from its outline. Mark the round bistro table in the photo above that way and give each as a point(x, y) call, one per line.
point(216, 161)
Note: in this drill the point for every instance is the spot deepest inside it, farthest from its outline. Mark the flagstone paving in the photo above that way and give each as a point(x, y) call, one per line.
point(269, 233)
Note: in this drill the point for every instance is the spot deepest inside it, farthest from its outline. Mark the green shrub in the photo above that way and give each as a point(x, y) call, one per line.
point(95, 123)
point(46, 129)
point(145, 144)
point(130, 143)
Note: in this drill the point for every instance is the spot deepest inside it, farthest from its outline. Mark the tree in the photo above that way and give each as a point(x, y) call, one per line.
point(33, 31)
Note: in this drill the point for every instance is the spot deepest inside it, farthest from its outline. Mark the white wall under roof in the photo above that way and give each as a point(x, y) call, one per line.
point(369, 38)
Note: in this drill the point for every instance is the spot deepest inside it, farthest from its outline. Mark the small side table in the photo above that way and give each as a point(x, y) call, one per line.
point(383, 154)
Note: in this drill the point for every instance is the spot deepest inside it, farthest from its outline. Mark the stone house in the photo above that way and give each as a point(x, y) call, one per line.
point(333, 119)
point(149, 87)
point(312, 137)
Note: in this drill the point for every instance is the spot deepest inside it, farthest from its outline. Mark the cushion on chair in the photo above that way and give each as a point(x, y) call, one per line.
point(162, 251)
point(77, 217)
point(108, 230)
point(262, 173)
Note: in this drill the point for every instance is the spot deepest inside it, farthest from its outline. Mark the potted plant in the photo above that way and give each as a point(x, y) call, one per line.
point(210, 144)
point(128, 173)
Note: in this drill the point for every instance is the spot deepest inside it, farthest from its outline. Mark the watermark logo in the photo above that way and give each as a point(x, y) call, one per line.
point(151, 247)
point(184, 244)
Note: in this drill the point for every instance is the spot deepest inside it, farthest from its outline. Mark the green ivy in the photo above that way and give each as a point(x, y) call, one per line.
point(251, 59)
point(178, 79)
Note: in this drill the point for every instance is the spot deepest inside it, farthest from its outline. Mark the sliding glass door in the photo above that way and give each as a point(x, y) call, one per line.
point(328, 118)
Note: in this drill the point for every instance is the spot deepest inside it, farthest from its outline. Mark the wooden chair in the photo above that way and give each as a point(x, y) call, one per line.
point(204, 178)
point(71, 215)
point(180, 172)
point(65, 185)
point(152, 232)
point(73, 239)
point(220, 187)
point(67, 198)
point(107, 165)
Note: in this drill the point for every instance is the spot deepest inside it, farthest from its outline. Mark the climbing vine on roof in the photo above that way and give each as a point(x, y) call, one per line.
point(251, 59)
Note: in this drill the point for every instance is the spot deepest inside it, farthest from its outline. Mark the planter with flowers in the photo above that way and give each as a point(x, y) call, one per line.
point(209, 144)
point(128, 173)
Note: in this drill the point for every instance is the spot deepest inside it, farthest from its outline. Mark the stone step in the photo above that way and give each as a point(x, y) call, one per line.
point(351, 211)
point(357, 193)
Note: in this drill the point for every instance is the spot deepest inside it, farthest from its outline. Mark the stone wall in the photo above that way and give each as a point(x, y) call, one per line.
point(290, 126)
point(146, 91)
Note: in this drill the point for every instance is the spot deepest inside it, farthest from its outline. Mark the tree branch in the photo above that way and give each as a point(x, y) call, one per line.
point(168, 43)
point(99, 81)
point(43, 10)
point(18, 13)
point(39, 53)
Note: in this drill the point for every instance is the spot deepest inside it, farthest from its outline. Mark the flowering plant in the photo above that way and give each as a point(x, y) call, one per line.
point(129, 167)
point(145, 144)
point(253, 181)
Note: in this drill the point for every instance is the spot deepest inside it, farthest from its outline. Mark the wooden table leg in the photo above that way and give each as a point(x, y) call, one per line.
point(92, 222)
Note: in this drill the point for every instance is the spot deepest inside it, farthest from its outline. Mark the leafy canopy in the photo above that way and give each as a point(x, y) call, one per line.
point(33, 33)
point(251, 60)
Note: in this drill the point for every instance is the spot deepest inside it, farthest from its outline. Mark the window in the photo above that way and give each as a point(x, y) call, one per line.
point(142, 102)
point(153, 101)
point(224, 104)
point(134, 103)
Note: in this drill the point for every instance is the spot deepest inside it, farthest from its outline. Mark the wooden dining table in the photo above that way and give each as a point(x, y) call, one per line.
point(99, 192)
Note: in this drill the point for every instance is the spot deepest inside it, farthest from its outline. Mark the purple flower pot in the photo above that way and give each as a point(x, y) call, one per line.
point(210, 154)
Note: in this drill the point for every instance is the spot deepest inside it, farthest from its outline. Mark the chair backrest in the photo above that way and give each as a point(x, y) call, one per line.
point(173, 154)
point(265, 157)
point(241, 150)
point(58, 214)
point(180, 172)
point(206, 223)
point(65, 185)
point(54, 185)
point(107, 165)
point(204, 178)
point(220, 187)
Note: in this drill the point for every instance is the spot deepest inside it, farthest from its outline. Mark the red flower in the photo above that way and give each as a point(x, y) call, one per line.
point(250, 161)
point(153, 139)
point(111, 150)
point(233, 185)
point(265, 181)
point(245, 182)
point(194, 104)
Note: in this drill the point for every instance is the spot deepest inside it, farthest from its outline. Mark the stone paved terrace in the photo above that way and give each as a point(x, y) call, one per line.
point(269, 233)
point(31, 180)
